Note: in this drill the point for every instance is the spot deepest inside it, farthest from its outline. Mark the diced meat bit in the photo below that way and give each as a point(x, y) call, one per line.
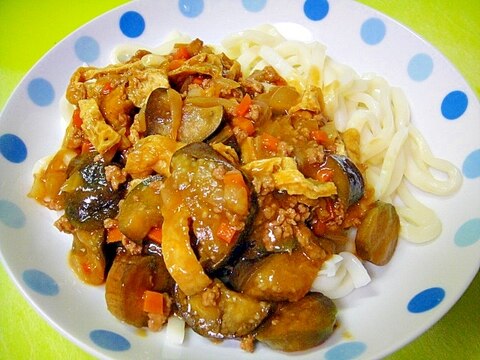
point(157, 321)
point(254, 111)
point(252, 86)
point(240, 134)
point(219, 172)
point(132, 247)
point(279, 217)
point(64, 225)
point(110, 223)
point(115, 176)
point(248, 343)
point(314, 155)
point(211, 296)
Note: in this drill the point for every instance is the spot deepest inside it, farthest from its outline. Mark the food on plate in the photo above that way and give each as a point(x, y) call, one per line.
point(238, 189)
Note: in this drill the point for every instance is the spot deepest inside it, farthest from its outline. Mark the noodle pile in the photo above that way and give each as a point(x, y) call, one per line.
point(395, 153)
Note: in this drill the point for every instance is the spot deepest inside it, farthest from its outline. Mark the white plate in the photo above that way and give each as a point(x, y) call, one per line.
point(404, 299)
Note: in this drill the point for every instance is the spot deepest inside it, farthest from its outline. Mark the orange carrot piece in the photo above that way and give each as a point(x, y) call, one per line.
point(233, 178)
point(76, 119)
point(181, 53)
point(175, 64)
point(244, 124)
point(198, 80)
point(269, 142)
point(244, 105)
point(114, 235)
point(320, 136)
point(87, 147)
point(107, 88)
point(153, 302)
point(155, 234)
point(226, 232)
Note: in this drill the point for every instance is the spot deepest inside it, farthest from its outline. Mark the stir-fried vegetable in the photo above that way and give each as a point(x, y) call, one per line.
point(193, 189)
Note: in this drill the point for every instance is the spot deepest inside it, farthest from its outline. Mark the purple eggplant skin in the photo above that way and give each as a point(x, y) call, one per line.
point(221, 313)
point(214, 254)
point(347, 178)
point(197, 123)
point(94, 200)
point(300, 325)
point(377, 235)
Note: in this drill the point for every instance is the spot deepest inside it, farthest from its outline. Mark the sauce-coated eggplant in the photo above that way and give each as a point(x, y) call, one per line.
point(300, 325)
point(219, 312)
point(377, 235)
point(128, 279)
point(93, 199)
point(141, 209)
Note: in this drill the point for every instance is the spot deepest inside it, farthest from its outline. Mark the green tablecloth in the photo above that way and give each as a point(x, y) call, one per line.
point(30, 28)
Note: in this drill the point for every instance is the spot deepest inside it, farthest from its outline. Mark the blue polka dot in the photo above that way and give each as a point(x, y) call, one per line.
point(109, 340)
point(13, 148)
point(426, 300)
point(316, 9)
point(471, 165)
point(420, 67)
point(40, 282)
point(254, 5)
point(41, 92)
point(346, 351)
point(454, 105)
point(468, 234)
point(373, 31)
point(132, 24)
point(11, 215)
point(87, 49)
point(191, 8)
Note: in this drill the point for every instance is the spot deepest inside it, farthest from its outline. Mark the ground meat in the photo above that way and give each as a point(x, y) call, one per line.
point(115, 176)
point(110, 223)
point(156, 321)
point(219, 172)
point(211, 296)
point(248, 343)
point(252, 86)
point(132, 247)
point(276, 222)
point(64, 225)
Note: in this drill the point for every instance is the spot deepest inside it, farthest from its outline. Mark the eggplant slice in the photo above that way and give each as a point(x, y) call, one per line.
point(221, 313)
point(220, 209)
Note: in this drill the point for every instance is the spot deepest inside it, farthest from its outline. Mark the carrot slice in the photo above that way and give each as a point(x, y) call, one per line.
point(114, 235)
point(244, 105)
point(244, 124)
point(155, 234)
point(269, 142)
point(181, 53)
point(76, 119)
point(233, 178)
point(226, 232)
point(320, 136)
point(153, 302)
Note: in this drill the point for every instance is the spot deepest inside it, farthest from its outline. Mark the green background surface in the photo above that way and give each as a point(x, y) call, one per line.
point(29, 28)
